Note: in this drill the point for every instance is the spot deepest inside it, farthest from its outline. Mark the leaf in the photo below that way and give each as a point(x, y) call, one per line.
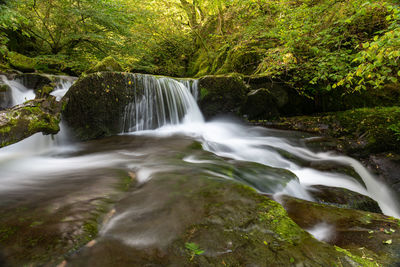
point(388, 242)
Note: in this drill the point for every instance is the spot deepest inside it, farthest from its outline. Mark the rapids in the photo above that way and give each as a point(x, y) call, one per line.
point(271, 161)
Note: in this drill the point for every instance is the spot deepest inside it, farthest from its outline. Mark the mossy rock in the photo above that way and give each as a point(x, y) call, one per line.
point(229, 224)
point(94, 104)
point(343, 198)
point(287, 100)
point(21, 62)
point(107, 64)
point(20, 122)
point(370, 236)
point(222, 94)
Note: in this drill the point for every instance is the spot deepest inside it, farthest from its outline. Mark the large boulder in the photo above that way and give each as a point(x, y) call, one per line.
point(95, 104)
point(20, 122)
point(260, 104)
point(222, 94)
point(373, 237)
point(107, 64)
point(282, 97)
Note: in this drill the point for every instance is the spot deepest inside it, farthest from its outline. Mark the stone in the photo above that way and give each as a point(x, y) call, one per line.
point(260, 104)
point(343, 198)
point(22, 121)
point(95, 104)
point(364, 234)
point(222, 94)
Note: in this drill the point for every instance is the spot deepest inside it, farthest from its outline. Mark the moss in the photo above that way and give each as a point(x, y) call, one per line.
point(21, 62)
point(107, 64)
point(364, 262)
point(364, 130)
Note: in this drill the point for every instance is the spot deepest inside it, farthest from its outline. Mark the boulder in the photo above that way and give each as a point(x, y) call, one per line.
point(95, 104)
point(22, 121)
point(107, 64)
point(373, 237)
point(343, 198)
point(221, 94)
point(287, 100)
point(216, 223)
point(260, 104)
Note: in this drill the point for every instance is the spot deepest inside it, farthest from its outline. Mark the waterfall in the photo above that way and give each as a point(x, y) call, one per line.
point(19, 93)
point(193, 86)
point(160, 101)
point(63, 83)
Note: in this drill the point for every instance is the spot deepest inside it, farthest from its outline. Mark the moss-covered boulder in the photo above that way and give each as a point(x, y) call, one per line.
point(94, 105)
point(373, 237)
point(40, 115)
point(5, 96)
point(21, 62)
point(222, 94)
point(107, 64)
point(216, 223)
point(343, 198)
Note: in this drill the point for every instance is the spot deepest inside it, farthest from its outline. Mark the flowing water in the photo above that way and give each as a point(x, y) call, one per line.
point(56, 171)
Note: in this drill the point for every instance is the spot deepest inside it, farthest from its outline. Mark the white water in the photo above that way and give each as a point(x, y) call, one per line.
point(164, 101)
point(168, 105)
point(62, 87)
point(19, 92)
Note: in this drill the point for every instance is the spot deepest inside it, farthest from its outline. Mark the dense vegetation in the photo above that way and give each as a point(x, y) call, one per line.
point(312, 45)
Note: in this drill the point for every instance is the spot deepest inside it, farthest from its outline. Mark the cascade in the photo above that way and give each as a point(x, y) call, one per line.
point(19, 93)
point(159, 102)
point(163, 107)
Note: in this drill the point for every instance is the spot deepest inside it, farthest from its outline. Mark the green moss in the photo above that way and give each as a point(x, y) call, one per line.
point(275, 216)
point(107, 64)
point(364, 262)
point(21, 62)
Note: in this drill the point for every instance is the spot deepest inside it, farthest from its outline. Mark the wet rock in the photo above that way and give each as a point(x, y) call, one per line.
point(371, 236)
point(94, 104)
point(107, 64)
point(387, 166)
point(288, 100)
point(260, 104)
point(206, 223)
point(343, 198)
point(22, 121)
point(5, 96)
point(221, 95)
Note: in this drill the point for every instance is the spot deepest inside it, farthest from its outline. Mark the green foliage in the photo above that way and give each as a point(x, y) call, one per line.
point(194, 249)
point(395, 128)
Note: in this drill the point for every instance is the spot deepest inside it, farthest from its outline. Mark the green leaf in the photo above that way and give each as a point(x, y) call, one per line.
point(388, 242)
